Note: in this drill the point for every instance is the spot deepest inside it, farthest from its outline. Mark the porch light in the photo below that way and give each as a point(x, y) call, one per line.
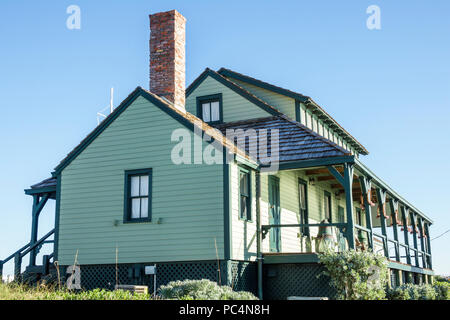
point(312, 181)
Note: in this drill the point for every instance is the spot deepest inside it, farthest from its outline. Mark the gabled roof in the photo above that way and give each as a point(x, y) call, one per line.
point(233, 86)
point(296, 142)
point(185, 118)
point(307, 101)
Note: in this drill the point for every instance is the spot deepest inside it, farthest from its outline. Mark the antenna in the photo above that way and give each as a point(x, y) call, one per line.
point(101, 114)
point(111, 101)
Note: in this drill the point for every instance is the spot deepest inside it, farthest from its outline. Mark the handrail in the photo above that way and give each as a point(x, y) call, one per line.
point(38, 243)
point(13, 255)
point(19, 254)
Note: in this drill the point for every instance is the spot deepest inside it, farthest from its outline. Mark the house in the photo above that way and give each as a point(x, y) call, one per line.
point(231, 179)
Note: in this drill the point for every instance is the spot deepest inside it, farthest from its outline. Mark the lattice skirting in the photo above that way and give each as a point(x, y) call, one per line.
point(240, 275)
point(285, 280)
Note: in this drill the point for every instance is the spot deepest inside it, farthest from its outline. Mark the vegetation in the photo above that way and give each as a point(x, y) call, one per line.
point(356, 275)
point(182, 290)
point(201, 290)
point(438, 291)
point(14, 291)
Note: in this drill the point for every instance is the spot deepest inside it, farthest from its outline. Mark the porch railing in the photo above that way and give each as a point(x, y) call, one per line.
point(384, 241)
point(19, 254)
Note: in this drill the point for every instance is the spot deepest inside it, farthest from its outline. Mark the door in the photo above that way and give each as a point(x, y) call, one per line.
point(274, 213)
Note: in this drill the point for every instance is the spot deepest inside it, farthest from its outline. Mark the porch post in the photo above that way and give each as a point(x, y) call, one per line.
point(381, 197)
point(259, 256)
point(348, 182)
point(365, 188)
point(405, 213)
point(38, 204)
point(427, 233)
point(422, 242)
point(413, 224)
point(394, 216)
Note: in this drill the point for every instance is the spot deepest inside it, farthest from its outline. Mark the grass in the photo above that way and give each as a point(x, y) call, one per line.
point(15, 291)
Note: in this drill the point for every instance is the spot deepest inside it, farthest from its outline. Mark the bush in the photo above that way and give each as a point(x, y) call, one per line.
point(201, 290)
point(418, 292)
point(442, 289)
point(356, 275)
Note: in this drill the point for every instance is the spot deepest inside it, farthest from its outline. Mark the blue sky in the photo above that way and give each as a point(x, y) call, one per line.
point(389, 88)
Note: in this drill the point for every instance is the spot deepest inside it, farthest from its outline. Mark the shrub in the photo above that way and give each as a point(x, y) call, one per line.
point(418, 292)
point(442, 289)
point(356, 275)
point(201, 290)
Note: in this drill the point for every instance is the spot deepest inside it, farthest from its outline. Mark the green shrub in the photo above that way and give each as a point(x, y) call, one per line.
point(356, 275)
point(417, 292)
point(201, 290)
point(442, 290)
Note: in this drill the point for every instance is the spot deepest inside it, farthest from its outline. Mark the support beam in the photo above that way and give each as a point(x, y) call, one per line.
point(422, 241)
point(394, 217)
point(259, 256)
point(381, 197)
point(365, 189)
point(413, 225)
point(427, 233)
point(348, 181)
point(405, 213)
point(38, 204)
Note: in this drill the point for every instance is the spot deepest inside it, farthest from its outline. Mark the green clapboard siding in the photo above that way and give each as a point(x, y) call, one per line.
point(244, 233)
point(284, 104)
point(235, 107)
point(188, 199)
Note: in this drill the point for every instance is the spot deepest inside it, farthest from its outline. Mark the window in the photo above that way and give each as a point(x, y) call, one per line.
point(303, 206)
point(359, 219)
point(341, 214)
point(327, 206)
point(138, 195)
point(244, 195)
point(209, 108)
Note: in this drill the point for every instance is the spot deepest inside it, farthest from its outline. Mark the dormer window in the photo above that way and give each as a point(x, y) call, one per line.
point(209, 108)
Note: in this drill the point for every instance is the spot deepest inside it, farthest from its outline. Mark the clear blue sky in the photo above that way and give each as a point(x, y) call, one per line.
point(389, 88)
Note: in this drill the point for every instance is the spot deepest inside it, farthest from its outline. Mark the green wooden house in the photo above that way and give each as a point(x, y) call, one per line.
point(131, 196)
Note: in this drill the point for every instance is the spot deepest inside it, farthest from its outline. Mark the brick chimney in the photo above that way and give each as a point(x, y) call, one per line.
point(167, 56)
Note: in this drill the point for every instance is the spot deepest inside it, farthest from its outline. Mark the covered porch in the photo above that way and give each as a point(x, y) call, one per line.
point(357, 210)
point(41, 192)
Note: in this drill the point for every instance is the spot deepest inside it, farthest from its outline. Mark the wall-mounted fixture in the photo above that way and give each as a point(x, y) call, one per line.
point(312, 181)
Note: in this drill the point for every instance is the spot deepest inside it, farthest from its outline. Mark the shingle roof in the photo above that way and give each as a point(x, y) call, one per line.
point(302, 98)
point(49, 182)
point(296, 142)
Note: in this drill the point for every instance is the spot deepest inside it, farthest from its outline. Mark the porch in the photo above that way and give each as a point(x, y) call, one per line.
point(368, 215)
point(41, 192)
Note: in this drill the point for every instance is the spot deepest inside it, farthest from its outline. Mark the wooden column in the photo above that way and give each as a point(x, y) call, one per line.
point(413, 225)
point(427, 233)
point(38, 204)
point(422, 241)
point(405, 213)
point(347, 181)
point(365, 189)
point(394, 216)
point(381, 196)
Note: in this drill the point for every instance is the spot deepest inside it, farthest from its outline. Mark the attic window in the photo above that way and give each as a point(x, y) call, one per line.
point(209, 108)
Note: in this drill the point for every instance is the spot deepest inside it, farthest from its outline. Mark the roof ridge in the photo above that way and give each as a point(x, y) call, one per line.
point(298, 95)
point(222, 69)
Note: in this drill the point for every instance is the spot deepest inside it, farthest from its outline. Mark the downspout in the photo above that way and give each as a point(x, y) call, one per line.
point(259, 257)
